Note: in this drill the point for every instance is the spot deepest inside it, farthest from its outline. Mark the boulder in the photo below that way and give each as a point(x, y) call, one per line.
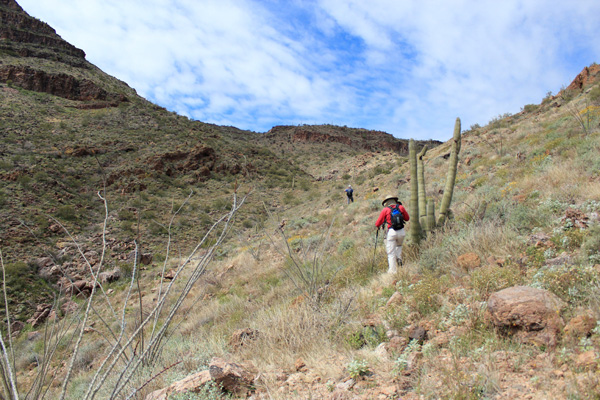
point(241, 337)
point(40, 315)
point(417, 333)
point(110, 276)
point(193, 383)
point(468, 261)
point(231, 377)
point(580, 326)
point(146, 258)
point(528, 314)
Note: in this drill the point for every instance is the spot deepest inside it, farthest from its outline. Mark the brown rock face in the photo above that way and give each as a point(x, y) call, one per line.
point(61, 85)
point(586, 76)
point(531, 315)
point(24, 36)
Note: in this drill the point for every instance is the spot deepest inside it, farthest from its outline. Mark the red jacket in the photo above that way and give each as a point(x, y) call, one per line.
point(385, 216)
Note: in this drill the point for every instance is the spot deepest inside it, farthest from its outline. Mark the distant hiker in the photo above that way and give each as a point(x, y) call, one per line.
point(394, 215)
point(349, 193)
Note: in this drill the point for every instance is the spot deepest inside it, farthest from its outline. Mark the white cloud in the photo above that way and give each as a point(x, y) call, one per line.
point(406, 68)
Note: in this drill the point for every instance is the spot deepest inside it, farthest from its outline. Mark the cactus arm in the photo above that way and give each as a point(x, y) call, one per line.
point(414, 232)
point(451, 177)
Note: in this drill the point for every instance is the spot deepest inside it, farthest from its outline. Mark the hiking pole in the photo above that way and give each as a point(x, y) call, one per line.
point(375, 250)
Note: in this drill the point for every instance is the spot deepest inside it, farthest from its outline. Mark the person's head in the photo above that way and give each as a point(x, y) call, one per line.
point(389, 200)
point(349, 186)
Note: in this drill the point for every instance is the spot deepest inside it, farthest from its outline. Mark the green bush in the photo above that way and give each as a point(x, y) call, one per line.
point(572, 283)
point(594, 95)
point(528, 108)
point(66, 213)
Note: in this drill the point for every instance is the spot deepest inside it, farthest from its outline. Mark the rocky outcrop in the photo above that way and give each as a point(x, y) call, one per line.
point(357, 139)
point(61, 85)
point(586, 76)
point(528, 314)
point(24, 36)
point(230, 377)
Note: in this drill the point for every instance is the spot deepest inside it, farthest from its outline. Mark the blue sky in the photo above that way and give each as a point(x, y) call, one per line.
point(405, 67)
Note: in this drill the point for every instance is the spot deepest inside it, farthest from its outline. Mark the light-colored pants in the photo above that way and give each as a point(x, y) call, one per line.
point(393, 248)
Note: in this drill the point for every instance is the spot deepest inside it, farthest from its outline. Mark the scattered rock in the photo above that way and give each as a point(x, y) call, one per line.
point(233, 378)
point(169, 275)
point(16, 327)
point(300, 365)
point(580, 326)
point(69, 307)
point(242, 337)
point(395, 299)
point(193, 383)
point(530, 315)
point(346, 385)
point(42, 313)
point(468, 261)
point(587, 360)
point(417, 333)
point(146, 258)
point(110, 276)
point(577, 217)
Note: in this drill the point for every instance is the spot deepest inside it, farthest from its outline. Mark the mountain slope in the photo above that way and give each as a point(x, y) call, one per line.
point(301, 273)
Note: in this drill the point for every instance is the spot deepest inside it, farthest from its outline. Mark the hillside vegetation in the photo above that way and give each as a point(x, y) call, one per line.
point(219, 243)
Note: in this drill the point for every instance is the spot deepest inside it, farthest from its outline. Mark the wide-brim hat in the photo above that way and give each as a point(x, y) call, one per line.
point(395, 198)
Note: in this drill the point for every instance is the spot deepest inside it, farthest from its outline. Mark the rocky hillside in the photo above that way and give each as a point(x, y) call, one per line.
point(106, 199)
point(69, 131)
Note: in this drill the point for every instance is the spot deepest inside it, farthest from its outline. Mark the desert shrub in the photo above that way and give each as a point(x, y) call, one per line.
point(126, 215)
point(366, 336)
point(426, 294)
point(303, 222)
point(304, 184)
point(345, 244)
point(357, 368)
point(210, 391)
point(594, 95)
point(66, 212)
point(524, 218)
point(572, 283)
point(591, 244)
point(491, 278)
point(528, 108)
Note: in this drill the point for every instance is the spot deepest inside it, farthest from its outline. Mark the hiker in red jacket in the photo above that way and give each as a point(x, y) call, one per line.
point(394, 215)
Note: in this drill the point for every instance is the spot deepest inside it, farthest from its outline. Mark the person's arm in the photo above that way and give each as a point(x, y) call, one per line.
point(404, 213)
point(382, 218)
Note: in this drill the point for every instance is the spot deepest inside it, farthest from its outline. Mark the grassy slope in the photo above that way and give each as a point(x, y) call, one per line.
point(523, 171)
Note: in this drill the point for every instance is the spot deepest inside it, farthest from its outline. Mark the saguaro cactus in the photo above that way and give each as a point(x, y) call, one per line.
point(451, 177)
point(430, 215)
point(414, 233)
point(421, 181)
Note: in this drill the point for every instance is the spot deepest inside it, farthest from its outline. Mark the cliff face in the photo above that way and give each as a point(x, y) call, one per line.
point(25, 36)
point(357, 139)
point(587, 76)
point(61, 85)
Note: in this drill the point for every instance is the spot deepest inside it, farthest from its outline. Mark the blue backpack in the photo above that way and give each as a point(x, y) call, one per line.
point(396, 217)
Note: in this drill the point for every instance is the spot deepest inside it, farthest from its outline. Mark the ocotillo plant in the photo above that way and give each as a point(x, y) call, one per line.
point(451, 177)
point(414, 233)
point(421, 181)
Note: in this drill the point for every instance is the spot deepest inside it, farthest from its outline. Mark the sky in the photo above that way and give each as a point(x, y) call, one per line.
point(409, 68)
